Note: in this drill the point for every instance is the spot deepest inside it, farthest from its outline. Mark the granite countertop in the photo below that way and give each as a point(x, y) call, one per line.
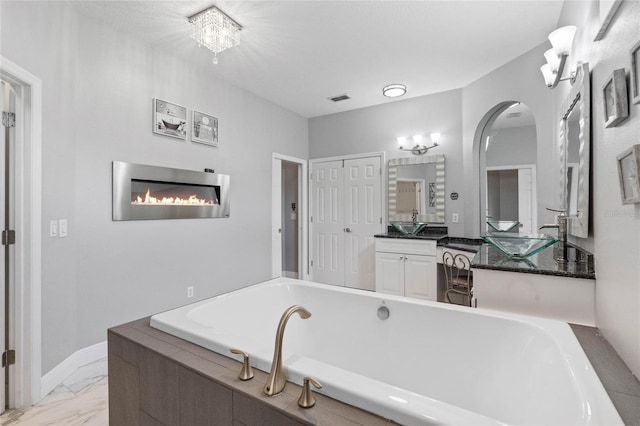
point(488, 257)
point(544, 263)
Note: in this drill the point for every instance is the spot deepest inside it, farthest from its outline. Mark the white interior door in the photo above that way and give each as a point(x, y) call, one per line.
point(327, 218)
point(526, 201)
point(276, 218)
point(363, 219)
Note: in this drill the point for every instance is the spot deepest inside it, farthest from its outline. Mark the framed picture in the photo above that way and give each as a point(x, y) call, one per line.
point(205, 128)
point(616, 106)
point(629, 174)
point(169, 119)
point(608, 10)
point(635, 73)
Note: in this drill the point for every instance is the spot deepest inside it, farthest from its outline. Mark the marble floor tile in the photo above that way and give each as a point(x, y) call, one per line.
point(83, 400)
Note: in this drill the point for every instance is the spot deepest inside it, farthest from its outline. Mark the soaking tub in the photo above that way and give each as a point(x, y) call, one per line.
point(427, 363)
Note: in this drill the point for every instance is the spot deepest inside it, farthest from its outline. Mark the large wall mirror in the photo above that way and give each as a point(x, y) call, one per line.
point(574, 144)
point(417, 184)
point(508, 167)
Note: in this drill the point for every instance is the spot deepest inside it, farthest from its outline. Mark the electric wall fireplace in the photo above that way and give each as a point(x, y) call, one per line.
point(149, 192)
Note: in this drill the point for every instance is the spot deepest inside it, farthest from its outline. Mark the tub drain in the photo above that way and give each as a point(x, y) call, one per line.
point(383, 312)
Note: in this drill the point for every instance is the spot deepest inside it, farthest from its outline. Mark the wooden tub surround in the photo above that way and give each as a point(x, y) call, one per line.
point(158, 379)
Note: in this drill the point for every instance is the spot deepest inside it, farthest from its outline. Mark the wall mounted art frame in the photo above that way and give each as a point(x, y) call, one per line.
point(635, 73)
point(616, 105)
point(608, 10)
point(169, 119)
point(629, 174)
point(204, 128)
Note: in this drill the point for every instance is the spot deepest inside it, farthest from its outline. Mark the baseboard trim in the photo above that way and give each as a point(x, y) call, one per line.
point(74, 361)
point(290, 274)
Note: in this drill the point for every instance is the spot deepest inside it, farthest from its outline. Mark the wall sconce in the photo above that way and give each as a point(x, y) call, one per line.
point(561, 40)
point(419, 149)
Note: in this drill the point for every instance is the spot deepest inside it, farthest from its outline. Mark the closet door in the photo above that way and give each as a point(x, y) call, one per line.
point(327, 219)
point(362, 220)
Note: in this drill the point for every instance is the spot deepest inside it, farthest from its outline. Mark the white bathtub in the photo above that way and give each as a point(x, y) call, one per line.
point(428, 363)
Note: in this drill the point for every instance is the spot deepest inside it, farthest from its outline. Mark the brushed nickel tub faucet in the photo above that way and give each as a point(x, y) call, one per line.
point(277, 380)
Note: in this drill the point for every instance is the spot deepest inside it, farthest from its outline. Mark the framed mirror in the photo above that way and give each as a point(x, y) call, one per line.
point(574, 145)
point(417, 183)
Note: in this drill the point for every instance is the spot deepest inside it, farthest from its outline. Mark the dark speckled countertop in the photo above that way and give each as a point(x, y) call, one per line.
point(543, 263)
point(488, 257)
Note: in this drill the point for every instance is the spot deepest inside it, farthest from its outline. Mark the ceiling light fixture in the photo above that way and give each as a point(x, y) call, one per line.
point(561, 40)
point(394, 90)
point(215, 30)
point(419, 149)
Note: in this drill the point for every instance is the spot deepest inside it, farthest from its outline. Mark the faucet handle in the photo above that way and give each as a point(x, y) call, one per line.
point(247, 372)
point(307, 400)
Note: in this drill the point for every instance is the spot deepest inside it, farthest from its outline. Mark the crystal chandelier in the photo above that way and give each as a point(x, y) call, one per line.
point(215, 30)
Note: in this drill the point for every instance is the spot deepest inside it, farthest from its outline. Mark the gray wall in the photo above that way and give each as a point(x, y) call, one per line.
point(512, 146)
point(98, 86)
point(615, 234)
point(376, 129)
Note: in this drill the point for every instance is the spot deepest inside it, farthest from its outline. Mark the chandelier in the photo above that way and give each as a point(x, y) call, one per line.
point(215, 30)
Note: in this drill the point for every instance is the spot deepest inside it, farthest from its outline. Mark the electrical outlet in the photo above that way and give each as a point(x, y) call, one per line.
point(53, 228)
point(189, 292)
point(62, 228)
point(455, 218)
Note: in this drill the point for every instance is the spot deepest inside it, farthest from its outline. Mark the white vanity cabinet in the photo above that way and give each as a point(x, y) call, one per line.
point(407, 267)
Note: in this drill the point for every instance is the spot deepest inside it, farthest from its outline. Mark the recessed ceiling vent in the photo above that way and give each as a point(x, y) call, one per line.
point(339, 98)
point(514, 114)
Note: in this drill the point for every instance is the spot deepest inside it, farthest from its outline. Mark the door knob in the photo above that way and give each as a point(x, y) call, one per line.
point(347, 230)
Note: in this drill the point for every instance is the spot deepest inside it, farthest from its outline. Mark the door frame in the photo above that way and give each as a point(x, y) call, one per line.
point(303, 216)
point(534, 191)
point(26, 376)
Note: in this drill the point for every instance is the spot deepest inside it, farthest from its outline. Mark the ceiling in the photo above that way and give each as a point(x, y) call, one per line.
point(297, 54)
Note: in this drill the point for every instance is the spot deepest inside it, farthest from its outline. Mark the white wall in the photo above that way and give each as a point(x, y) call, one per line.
point(376, 128)
point(98, 86)
point(615, 234)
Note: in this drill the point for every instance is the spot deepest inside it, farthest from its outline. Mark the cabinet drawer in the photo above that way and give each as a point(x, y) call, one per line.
point(399, 245)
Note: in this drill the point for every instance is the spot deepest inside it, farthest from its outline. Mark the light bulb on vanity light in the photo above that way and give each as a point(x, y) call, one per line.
point(417, 139)
point(435, 137)
point(402, 141)
point(562, 39)
point(552, 59)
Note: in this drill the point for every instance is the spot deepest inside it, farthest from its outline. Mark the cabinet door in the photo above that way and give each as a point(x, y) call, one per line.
point(420, 277)
point(390, 273)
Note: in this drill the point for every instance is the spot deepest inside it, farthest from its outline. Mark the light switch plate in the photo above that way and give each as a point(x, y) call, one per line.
point(62, 228)
point(53, 228)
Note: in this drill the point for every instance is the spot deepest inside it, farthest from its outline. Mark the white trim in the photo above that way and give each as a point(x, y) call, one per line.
point(380, 154)
point(25, 387)
point(290, 274)
point(303, 213)
point(78, 359)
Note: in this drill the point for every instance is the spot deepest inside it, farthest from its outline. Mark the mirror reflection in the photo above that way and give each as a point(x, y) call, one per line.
point(508, 153)
point(416, 186)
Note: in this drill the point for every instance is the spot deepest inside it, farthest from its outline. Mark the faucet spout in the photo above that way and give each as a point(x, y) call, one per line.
point(277, 380)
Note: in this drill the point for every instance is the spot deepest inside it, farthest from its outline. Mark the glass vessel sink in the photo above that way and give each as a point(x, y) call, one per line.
point(502, 225)
point(519, 246)
point(408, 228)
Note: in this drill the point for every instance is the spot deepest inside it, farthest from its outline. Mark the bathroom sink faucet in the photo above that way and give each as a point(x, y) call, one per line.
point(277, 380)
point(562, 233)
point(414, 217)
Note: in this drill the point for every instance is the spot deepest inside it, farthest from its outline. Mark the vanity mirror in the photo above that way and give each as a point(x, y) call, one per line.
point(574, 145)
point(417, 183)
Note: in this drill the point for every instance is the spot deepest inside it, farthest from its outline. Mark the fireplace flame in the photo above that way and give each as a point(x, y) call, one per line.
point(150, 200)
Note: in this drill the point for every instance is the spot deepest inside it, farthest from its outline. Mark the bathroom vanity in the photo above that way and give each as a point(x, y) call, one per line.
point(538, 285)
point(407, 267)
